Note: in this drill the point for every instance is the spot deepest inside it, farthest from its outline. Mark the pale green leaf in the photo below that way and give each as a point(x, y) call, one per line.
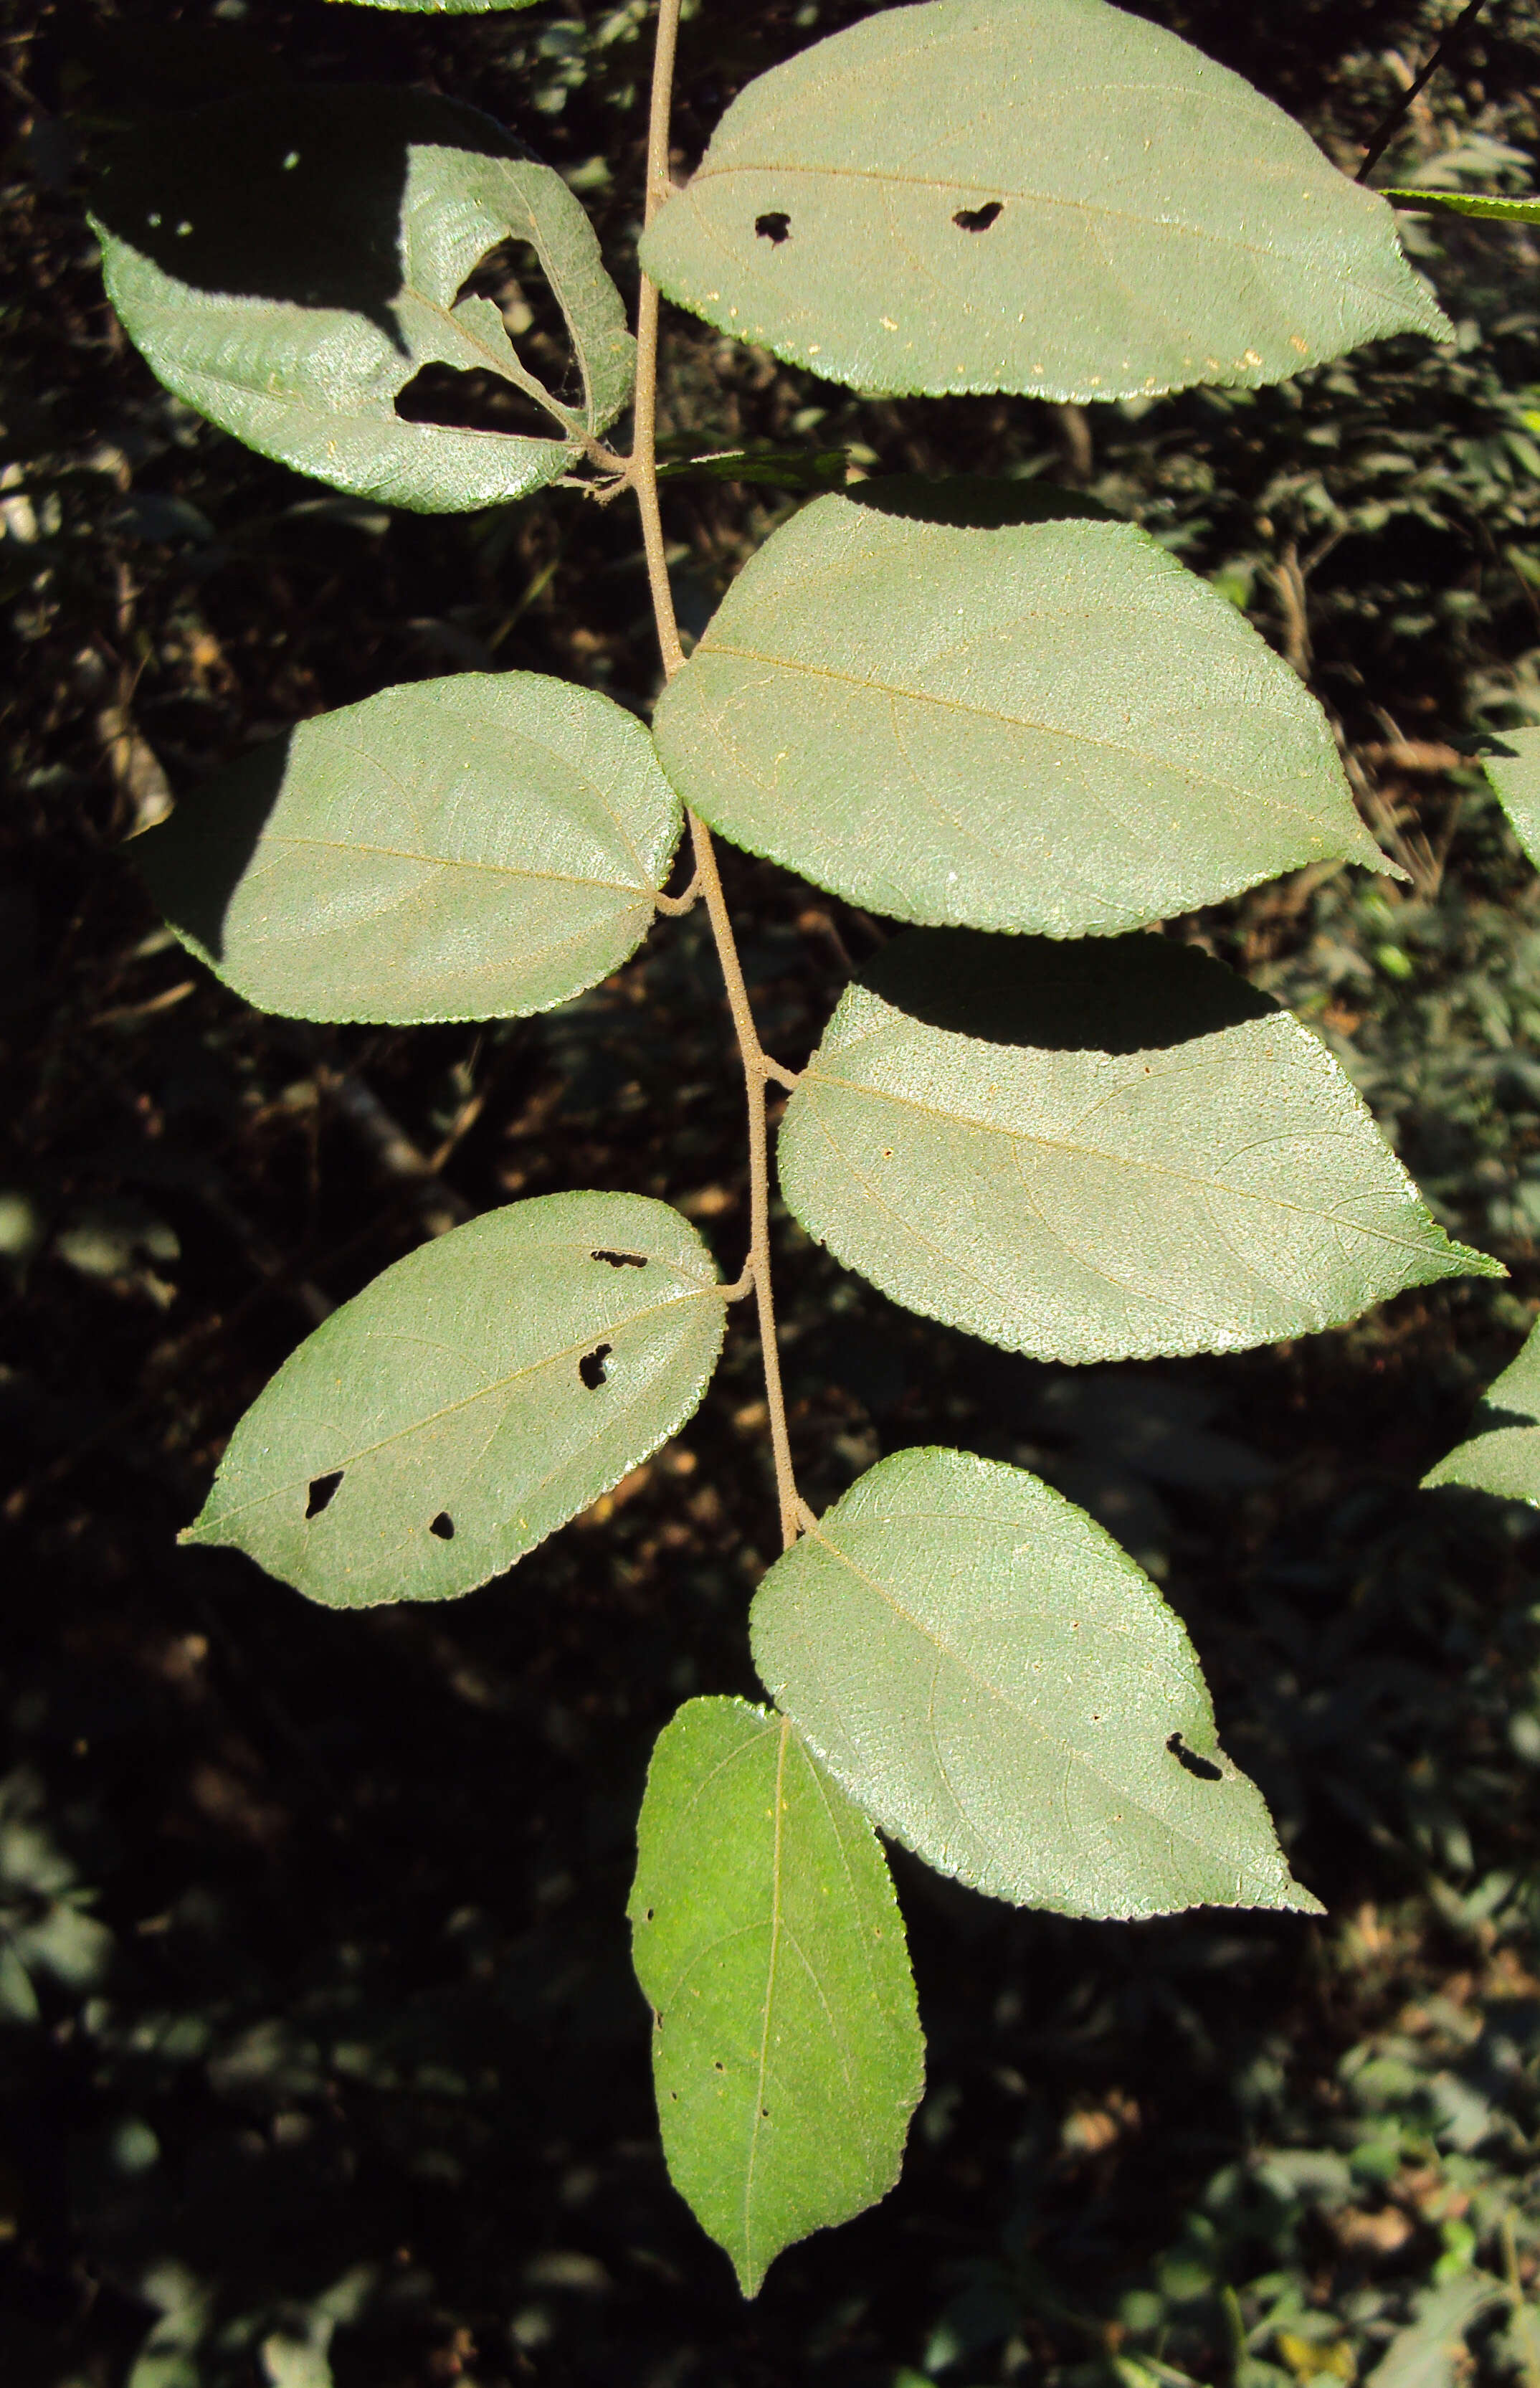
point(1046, 195)
point(1512, 764)
point(1430, 2353)
point(1502, 1455)
point(787, 2050)
point(1048, 724)
point(471, 1400)
point(993, 1679)
point(470, 848)
point(1099, 1150)
point(1488, 204)
point(287, 268)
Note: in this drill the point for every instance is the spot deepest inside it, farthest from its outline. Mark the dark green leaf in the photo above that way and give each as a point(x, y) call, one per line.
point(996, 1683)
point(1465, 203)
point(471, 1400)
point(1502, 1456)
point(288, 269)
point(787, 2050)
point(771, 468)
point(1512, 764)
point(470, 848)
point(1099, 1150)
point(1048, 195)
point(1045, 724)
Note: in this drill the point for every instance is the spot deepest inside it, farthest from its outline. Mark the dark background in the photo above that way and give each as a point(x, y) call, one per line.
point(318, 2044)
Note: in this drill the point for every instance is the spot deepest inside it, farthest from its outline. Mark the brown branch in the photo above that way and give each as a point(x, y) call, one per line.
point(757, 1065)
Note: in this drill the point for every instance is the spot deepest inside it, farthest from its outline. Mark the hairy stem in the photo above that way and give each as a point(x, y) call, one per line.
point(757, 1066)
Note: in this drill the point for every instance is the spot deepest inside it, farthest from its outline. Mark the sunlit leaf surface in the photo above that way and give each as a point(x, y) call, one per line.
point(1047, 196)
point(459, 849)
point(787, 2049)
point(1095, 1151)
point(472, 1399)
point(288, 268)
point(1512, 764)
point(994, 1681)
point(1502, 1454)
point(1042, 724)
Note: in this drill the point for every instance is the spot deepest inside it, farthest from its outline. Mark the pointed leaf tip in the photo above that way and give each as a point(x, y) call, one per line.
point(1501, 1455)
point(1512, 765)
point(1100, 1150)
point(787, 2049)
point(1045, 196)
point(1043, 724)
point(997, 1684)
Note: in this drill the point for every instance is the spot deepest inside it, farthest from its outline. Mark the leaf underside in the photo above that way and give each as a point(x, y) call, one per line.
point(1502, 1455)
point(994, 1681)
point(1482, 204)
point(471, 1400)
point(1042, 195)
point(1513, 768)
point(1046, 725)
point(1130, 1154)
point(787, 2050)
point(472, 848)
point(288, 269)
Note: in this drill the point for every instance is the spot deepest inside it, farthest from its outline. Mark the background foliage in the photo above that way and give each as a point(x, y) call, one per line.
point(320, 2054)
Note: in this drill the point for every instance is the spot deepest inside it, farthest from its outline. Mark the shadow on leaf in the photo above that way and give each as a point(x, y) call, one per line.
point(1105, 994)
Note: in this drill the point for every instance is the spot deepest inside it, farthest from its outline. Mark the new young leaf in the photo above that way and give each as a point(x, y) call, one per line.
point(288, 268)
point(1099, 1150)
point(993, 1679)
point(1489, 204)
point(787, 2049)
point(471, 1400)
point(1046, 195)
point(470, 848)
point(1043, 724)
point(1502, 1455)
point(1512, 765)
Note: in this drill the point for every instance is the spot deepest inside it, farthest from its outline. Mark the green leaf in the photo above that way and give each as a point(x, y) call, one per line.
point(1502, 1456)
point(1098, 1151)
point(1512, 764)
point(993, 1679)
point(1046, 724)
point(787, 2050)
point(1046, 195)
point(1430, 2352)
point(470, 848)
point(471, 1400)
point(288, 268)
point(1465, 203)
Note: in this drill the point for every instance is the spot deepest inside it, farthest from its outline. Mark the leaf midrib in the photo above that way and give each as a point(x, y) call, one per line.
point(1121, 748)
point(1118, 1790)
point(482, 1393)
point(1096, 208)
point(817, 1074)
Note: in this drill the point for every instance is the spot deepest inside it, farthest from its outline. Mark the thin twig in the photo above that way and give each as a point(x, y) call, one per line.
point(757, 1065)
point(1387, 131)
